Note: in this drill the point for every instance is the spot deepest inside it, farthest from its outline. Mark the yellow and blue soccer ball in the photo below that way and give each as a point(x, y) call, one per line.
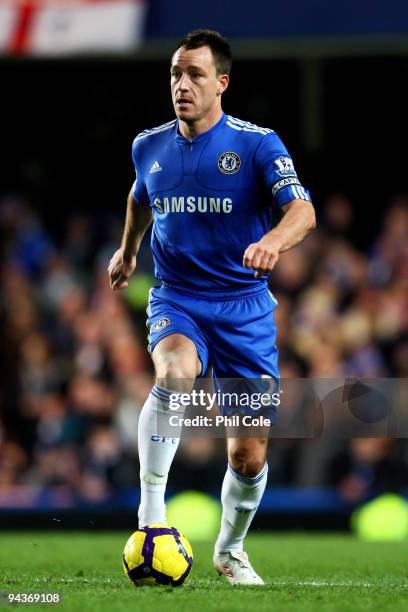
point(157, 555)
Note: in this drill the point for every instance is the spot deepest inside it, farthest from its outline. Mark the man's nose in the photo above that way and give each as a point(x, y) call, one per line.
point(184, 82)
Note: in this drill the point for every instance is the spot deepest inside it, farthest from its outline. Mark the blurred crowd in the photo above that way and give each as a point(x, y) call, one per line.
point(76, 372)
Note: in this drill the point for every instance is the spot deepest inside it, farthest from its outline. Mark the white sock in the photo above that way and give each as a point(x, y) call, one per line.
point(240, 496)
point(156, 454)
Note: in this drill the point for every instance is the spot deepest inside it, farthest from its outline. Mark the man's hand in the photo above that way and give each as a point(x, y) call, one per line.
point(263, 255)
point(298, 220)
point(120, 268)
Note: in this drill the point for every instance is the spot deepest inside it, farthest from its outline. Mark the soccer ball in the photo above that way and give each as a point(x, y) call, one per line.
point(157, 554)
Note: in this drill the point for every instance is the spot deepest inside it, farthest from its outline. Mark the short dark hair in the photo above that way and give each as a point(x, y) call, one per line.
point(219, 46)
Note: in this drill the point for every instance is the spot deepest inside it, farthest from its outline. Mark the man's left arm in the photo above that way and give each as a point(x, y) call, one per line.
point(277, 172)
point(299, 219)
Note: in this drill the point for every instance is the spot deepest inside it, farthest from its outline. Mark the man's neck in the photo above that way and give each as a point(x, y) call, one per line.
point(190, 130)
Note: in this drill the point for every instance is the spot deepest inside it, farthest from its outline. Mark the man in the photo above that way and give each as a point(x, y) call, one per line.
point(211, 183)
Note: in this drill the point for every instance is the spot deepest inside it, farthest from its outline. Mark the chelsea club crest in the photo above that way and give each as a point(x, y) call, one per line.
point(156, 327)
point(229, 162)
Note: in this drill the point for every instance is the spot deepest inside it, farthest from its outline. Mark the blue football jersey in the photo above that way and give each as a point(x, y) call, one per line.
point(210, 199)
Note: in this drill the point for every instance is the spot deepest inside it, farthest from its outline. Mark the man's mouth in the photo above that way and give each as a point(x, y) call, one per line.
point(183, 101)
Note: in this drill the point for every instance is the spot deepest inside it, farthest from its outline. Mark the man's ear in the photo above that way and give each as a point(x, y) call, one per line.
point(223, 82)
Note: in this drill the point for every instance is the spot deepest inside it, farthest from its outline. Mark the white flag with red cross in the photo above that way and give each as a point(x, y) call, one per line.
point(58, 27)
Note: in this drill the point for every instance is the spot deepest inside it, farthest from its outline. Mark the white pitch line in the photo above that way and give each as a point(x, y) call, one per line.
point(276, 583)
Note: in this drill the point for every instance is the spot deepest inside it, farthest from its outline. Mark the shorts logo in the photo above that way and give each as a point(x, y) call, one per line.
point(229, 162)
point(284, 166)
point(156, 327)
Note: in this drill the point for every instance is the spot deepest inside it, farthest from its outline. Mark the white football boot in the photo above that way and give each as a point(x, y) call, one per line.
point(236, 568)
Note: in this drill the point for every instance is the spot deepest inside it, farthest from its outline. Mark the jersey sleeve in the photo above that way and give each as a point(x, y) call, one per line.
point(139, 190)
point(276, 166)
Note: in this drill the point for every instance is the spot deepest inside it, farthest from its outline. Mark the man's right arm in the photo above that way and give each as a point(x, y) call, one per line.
point(123, 262)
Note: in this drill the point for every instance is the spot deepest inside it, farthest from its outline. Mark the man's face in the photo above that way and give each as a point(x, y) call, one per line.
point(195, 85)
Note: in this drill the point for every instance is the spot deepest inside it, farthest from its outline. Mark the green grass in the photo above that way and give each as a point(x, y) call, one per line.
point(303, 572)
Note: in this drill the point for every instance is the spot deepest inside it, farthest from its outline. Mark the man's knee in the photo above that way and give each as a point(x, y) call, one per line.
point(176, 362)
point(247, 457)
point(173, 364)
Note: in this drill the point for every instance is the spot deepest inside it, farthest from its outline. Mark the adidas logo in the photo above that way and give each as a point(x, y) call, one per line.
point(155, 168)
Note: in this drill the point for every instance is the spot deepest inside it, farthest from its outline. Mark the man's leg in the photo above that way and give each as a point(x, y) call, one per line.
point(176, 365)
point(242, 490)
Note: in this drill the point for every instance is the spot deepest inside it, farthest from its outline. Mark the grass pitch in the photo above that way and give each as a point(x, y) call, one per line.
point(303, 572)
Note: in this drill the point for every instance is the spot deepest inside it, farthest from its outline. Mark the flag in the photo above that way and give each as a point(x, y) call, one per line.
point(59, 27)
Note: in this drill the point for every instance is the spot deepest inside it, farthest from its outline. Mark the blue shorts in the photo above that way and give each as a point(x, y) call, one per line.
point(235, 333)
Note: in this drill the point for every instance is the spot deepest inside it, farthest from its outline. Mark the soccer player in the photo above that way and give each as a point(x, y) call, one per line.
point(211, 183)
